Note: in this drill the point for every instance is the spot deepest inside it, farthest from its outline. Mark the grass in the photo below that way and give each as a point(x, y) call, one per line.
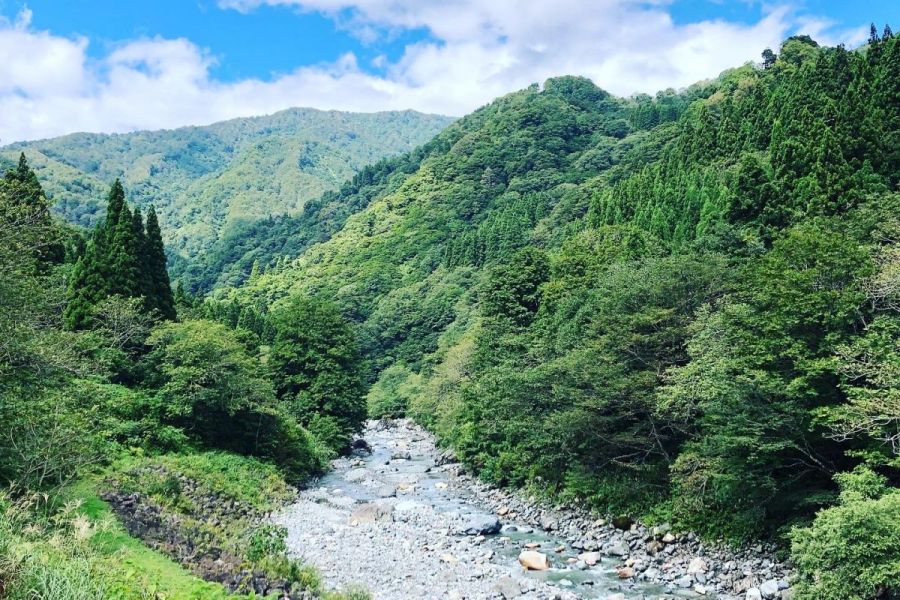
point(73, 547)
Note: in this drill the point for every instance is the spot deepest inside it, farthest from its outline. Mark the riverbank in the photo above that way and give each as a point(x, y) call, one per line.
point(404, 520)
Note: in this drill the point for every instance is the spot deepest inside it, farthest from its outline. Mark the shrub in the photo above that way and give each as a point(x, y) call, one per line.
point(851, 551)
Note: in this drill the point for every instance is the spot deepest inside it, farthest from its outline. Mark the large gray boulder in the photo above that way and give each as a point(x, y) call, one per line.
point(481, 525)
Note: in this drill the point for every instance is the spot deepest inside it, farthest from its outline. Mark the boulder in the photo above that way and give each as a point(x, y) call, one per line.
point(769, 589)
point(481, 525)
point(371, 512)
point(549, 524)
point(508, 588)
point(619, 548)
point(589, 558)
point(401, 455)
point(354, 475)
point(361, 445)
point(386, 491)
point(533, 560)
point(625, 572)
point(697, 565)
point(753, 594)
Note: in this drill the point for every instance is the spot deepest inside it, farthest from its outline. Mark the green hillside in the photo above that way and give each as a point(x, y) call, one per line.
point(682, 306)
point(208, 181)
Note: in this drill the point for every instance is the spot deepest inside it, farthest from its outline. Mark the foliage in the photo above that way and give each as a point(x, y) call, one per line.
point(216, 188)
point(676, 303)
point(317, 370)
point(851, 550)
point(203, 382)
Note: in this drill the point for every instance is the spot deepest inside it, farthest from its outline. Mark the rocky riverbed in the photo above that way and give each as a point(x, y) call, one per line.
point(402, 519)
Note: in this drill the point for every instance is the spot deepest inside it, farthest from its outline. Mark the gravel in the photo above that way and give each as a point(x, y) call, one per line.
point(405, 522)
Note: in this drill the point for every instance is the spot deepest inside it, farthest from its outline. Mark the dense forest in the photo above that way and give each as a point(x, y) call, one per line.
point(211, 183)
point(683, 308)
point(104, 386)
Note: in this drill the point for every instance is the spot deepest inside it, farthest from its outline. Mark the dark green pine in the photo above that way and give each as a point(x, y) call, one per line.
point(158, 275)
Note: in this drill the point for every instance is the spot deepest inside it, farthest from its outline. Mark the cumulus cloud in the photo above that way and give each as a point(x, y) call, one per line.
point(475, 50)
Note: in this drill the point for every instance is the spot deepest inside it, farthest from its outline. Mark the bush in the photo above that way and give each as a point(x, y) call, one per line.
point(392, 393)
point(851, 551)
point(202, 381)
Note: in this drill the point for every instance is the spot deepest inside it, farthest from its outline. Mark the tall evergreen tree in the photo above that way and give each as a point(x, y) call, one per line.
point(159, 296)
point(121, 259)
point(25, 198)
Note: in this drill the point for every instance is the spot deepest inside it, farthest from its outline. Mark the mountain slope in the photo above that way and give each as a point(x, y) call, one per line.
point(204, 181)
point(661, 306)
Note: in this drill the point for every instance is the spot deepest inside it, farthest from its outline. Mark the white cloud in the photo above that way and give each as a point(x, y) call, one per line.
point(477, 50)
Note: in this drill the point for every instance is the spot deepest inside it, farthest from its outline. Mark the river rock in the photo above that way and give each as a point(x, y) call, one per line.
point(549, 524)
point(619, 548)
point(753, 594)
point(355, 475)
point(769, 589)
point(386, 491)
point(697, 565)
point(533, 560)
point(371, 513)
point(589, 558)
point(481, 525)
point(625, 572)
point(508, 588)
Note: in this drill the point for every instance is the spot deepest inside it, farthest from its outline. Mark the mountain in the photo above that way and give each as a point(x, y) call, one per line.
point(677, 306)
point(207, 181)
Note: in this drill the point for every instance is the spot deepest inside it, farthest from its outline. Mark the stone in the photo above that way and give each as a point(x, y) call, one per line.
point(481, 525)
point(619, 548)
point(440, 485)
point(508, 588)
point(549, 524)
point(532, 545)
point(668, 538)
point(625, 572)
point(753, 594)
point(503, 511)
point(700, 589)
point(684, 582)
point(361, 445)
point(566, 583)
point(386, 491)
point(697, 565)
point(354, 475)
point(769, 589)
point(533, 560)
point(589, 558)
point(449, 559)
point(371, 513)
point(401, 455)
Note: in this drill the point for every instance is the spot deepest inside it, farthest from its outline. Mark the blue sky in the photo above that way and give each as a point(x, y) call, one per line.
point(106, 65)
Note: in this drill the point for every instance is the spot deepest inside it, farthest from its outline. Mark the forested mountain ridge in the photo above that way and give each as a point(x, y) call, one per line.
point(205, 182)
point(682, 307)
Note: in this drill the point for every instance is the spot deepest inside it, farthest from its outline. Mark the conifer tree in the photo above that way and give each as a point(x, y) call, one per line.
point(160, 289)
point(25, 197)
point(121, 259)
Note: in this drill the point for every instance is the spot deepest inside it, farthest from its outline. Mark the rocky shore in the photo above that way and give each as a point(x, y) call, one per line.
point(405, 521)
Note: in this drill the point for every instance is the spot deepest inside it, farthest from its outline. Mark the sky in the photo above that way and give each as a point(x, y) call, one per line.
point(117, 66)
